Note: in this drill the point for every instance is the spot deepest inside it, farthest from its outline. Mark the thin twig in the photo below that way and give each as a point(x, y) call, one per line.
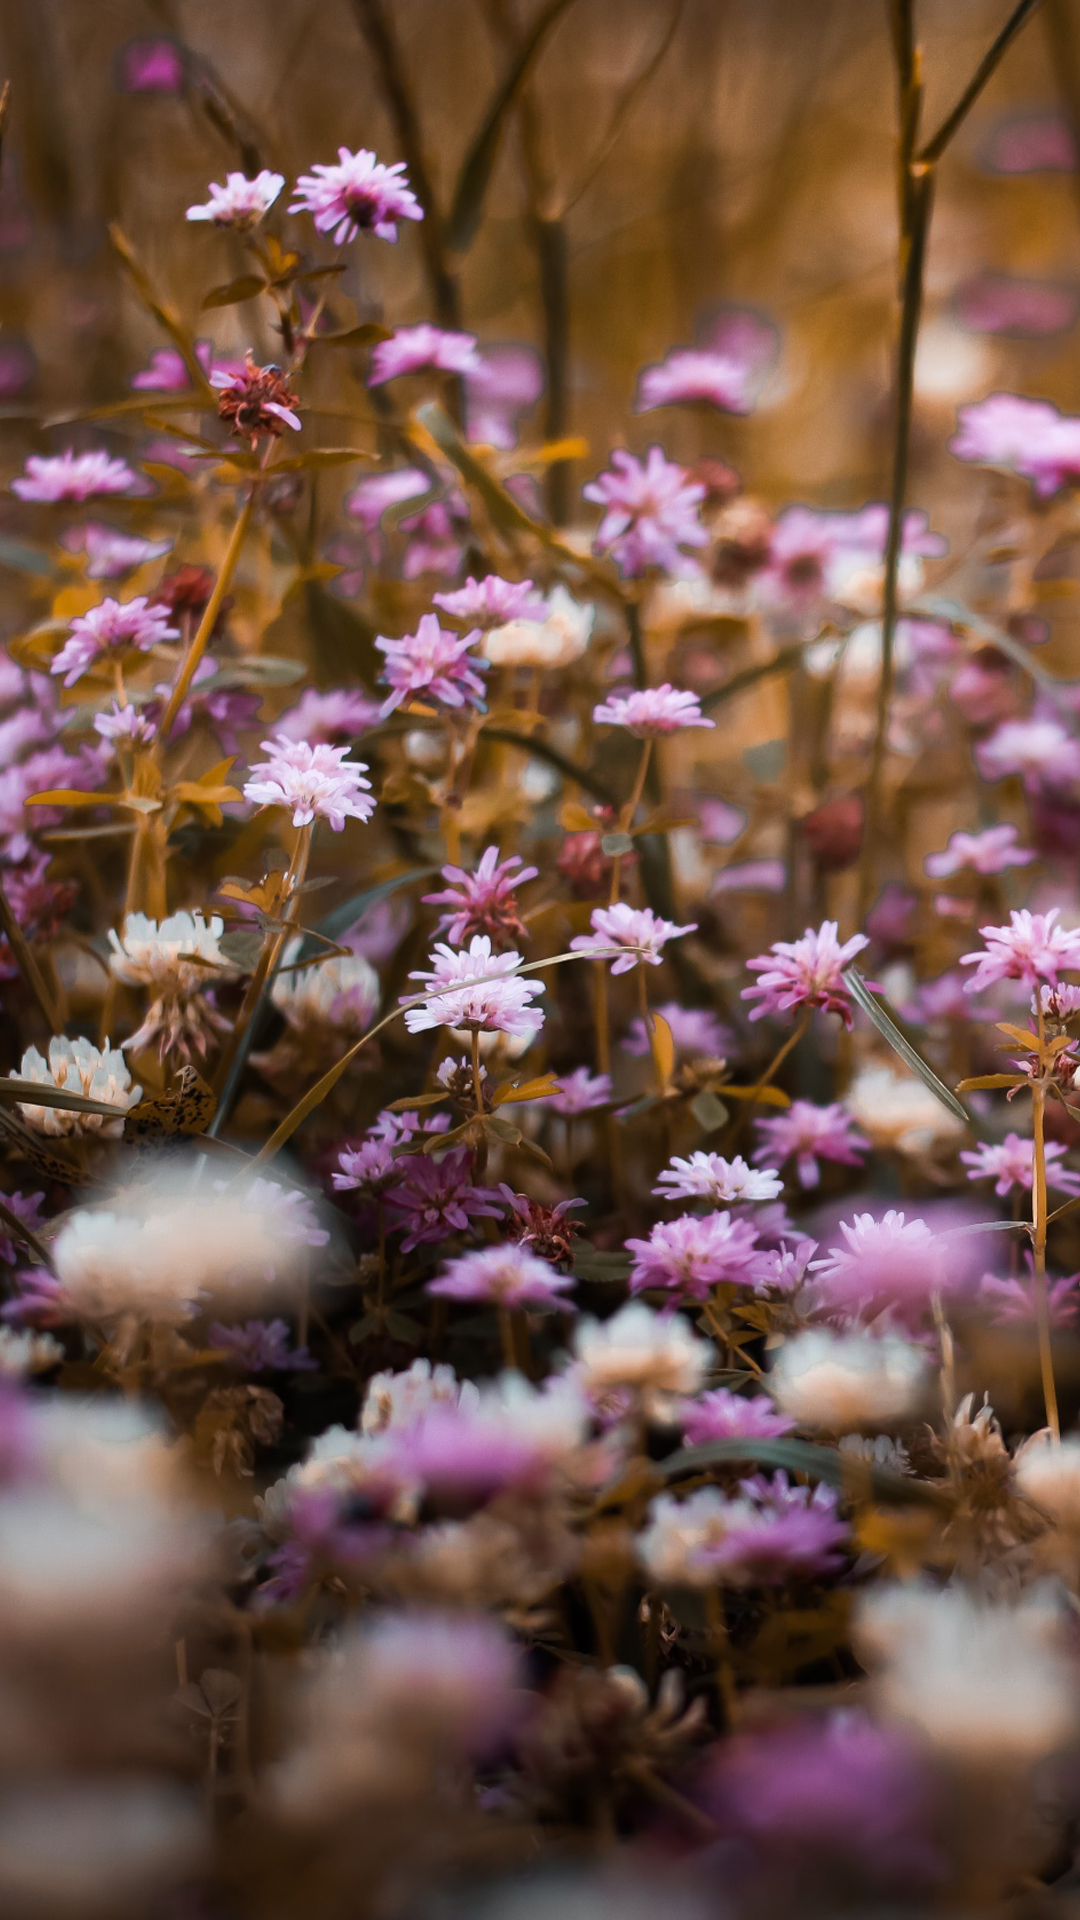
point(987, 66)
point(28, 966)
point(624, 107)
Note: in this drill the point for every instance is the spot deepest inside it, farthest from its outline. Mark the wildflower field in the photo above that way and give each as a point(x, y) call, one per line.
point(540, 958)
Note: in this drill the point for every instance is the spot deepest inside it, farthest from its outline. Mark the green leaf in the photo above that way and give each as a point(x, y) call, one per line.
point(597, 1264)
point(709, 1112)
point(318, 457)
point(234, 291)
point(21, 557)
point(876, 1012)
point(346, 916)
point(29, 1093)
point(364, 336)
point(615, 844)
point(258, 670)
point(800, 1456)
point(472, 185)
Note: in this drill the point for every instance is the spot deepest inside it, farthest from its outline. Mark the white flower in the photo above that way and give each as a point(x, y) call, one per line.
point(1047, 1472)
point(395, 1400)
point(656, 1355)
point(557, 640)
point(341, 1461)
point(708, 1176)
point(897, 1110)
point(844, 1380)
point(67, 1572)
point(240, 202)
point(22, 1351)
point(670, 1547)
point(342, 992)
point(174, 959)
point(985, 1683)
point(101, 1074)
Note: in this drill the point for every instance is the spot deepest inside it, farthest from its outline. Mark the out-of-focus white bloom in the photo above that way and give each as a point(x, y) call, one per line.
point(555, 641)
point(341, 993)
point(987, 1684)
point(342, 1461)
point(672, 1546)
point(103, 1451)
point(66, 1570)
point(394, 1400)
point(240, 203)
point(130, 1840)
point(174, 960)
point(656, 1355)
point(1047, 1472)
point(101, 1074)
point(897, 1110)
point(22, 1351)
point(881, 1451)
point(843, 1380)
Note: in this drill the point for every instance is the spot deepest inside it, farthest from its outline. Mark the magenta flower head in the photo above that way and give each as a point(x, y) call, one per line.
point(313, 783)
point(433, 664)
point(420, 349)
point(152, 66)
point(492, 602)
point(697, 1033)
point(109, 554)
point(580, 1092)
point(357, 195)
point(1032, 948)
point(892, 1264)
point(690, 1256)
point(650, 511)
point(805, 973)
point(110, 631)
point(651, 711)
point(74, 476)
point(431, 1199)
point(477, 990)
point(636, 933)
point(329, 718)
point(1030, 437)
point(806, 1134)
point(130, 725)
point(988, 852)
point(484, 901)
point(722, 1415)
point(1010, 1164)
point(240, 203)
point(1038, 748)
point(257, 400)
point(696, 373)
point(507, 1276)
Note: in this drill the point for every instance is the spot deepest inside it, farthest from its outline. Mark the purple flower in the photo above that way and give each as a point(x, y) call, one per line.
point(891, 1263)
point(696, 1032)
point(504, 1434)
point(693, 1254)
point(805, 973)
point(988, 852)
point(1010, 1164)
point(506, 1276)
point(708, 1176)
point(484, 901)
point(807, 1133)
point(506, 383)
point(329, 719)
point(416, 349)
point(476, 989)
point(166, 370)
point(491, 602)
point(652, 711)
point(650, 511)
point(722, 1415)
point(356, 195)
point(313, 783)
point(152, 66)
point(638, 930)
point(240, 203)
point(1029, 436)
point(580, 1092)
point(260, 1346)
point(434, 1198)
point(435, 537)
point(784, 1530)
point(114, 628)
point(109, 555)
point(696, 373)
point(1032, 948)
point(27, 1208)
point(1014, 1300)
point(74, 476)
point(255, 400)
point(128, 724)
point(1038, 748)
point(435, 664)
point(373, 496)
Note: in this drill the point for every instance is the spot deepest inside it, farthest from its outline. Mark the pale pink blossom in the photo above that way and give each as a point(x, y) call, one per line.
point(696, 1032)
point(722, 1415)
point(805, 973)
point(1010, 1164)
point(695, 1253)
point(418, 349)
point(991, 851)
point(476, 989)
point(491, 602)
point(806, 1134)
point(356, 194)
point(433, 664)
point(696, 373)
point(1032, 948)
point(483, 901)
point(650, 511)
point(241, 203)
point(507, 1276)
point(128, 726)
point(708, 1176)
point(1029, 436)
point(74, 476)
point(1012, 1300)
point(638, 933)
point(112, 630)
point(650, 711)
point(892, 1264)
point(313, 783)
point(1040, 749)
point(581, 1092)
point(328, 718)
point(109, 554)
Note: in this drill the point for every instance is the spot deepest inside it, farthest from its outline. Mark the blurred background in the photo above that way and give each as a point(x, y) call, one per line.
point(672, 159)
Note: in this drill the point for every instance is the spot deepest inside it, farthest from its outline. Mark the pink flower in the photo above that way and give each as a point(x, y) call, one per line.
point(1010, 1164)
point(74, 476)
point(891, 1263)
point(478, 990)
point(1030, 436)
point(127, 724)
point(650, 511)
point(1040, 749)
point(313, 783)
point(988, 852)
point(491, 602)
point(695, 373)
point(256, 400)
point(695, 1253)
point(373, 1163)
point(651, 711)
point(507, 382)
point(1031, 948)
point(807, 1133)
point(805, 973)
point(433, 663)
point(152, 66)
point(580, 1092)
point(697, 1034)
point(1013, 1300)
point(415, 349)
point(328, 718)
point(109, 555)
point(708, 1176)
point(240, 203)
point(506, 1276)
point(484, 901)
point(777, 1530)
point(114, 628)
point(378, 492)
point(637, 930)
point(430, 1199)
point(722, 1415)
point(358, 194)
point(505, 1435)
